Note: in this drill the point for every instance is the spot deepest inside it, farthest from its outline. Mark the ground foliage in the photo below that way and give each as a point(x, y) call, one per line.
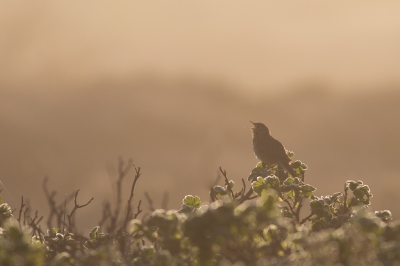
point(276, 221)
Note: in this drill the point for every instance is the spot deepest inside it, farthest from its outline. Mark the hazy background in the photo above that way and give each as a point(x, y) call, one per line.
point(173, 85)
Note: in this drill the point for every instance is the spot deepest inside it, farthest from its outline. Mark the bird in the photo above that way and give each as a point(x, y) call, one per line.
point(270, 150)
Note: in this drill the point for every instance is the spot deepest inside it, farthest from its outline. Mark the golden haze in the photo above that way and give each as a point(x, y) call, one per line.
point(173, 86)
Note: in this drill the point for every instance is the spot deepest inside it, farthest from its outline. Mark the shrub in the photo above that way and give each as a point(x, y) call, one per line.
point(261, 225)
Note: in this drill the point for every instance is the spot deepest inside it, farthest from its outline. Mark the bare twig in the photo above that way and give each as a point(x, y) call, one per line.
point(122, 172)
point(55, 210)
point(290, 206)
point(25, 214)
point(106, 213)
point(150, 201)
point(129, 204)
point(346, 188)
point(213, 196)
point(50, 200)
point(65, 210)
point(244, 187)
point(138, 209)
point(77, 206)
point(306, 218)
point(165, 200)
point(298, 209)
point(217, 179)
point(34, 224)
point(247, 196)
point(227, 182)
point(20, 210)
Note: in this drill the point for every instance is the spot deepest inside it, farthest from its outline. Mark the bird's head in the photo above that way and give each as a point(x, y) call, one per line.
point(259, 128)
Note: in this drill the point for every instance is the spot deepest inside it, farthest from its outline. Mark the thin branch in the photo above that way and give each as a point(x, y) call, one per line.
point(306, 219)
point(20, 210)
point(138, 209)
point(137, 175)
point(346, 188)
point(129, 205)
point(150, 201)
point(290, 206)
point(165, 200)
point(40, 219)
point(227, 182)
point(122, 172)
point(213, 196)
point(25, 214)
point(217, 179)
point(247, 196)
point(244, 187)
point(34, 224)
point(298, 209)
point(69, 198)
point(77, 206)
point(50, 200)
point(65, 210)
point(106, 213)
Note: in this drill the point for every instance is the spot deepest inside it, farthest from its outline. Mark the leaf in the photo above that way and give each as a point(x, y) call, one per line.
point(367, 201)
point(259, 185)
point(93, 233)
point(307, 194)
point(290, 194)
point(192, 201)
point(220, 190)
point(358, 193)
point(317, 226)
point(185, 209)
point(273, 181)
point(307, 188)
point(316, 204)
point(256, 172)
point(365, 189)
point(136, 225)
point(296, 164)
point(264, 193)
point(148, 252)
point(385, 215)
point(253, 176)
point(352, 185)
point(286, 212)
point(285, 188)
point(289, 180)
point(336, 195)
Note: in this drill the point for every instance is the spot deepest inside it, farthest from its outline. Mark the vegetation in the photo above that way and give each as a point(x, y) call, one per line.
point(263, 224)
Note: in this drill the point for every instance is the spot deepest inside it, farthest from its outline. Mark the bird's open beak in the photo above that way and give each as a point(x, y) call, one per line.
point(253, 124)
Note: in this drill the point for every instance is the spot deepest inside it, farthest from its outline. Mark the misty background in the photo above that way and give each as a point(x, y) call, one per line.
point(173, 86)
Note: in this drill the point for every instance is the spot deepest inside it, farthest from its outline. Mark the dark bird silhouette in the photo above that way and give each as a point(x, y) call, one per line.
point(268, 149)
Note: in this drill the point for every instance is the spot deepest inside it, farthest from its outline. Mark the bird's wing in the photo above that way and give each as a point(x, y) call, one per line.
point(279, 150)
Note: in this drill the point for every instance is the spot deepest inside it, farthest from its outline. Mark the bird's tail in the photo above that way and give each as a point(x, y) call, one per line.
point(288, 168)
